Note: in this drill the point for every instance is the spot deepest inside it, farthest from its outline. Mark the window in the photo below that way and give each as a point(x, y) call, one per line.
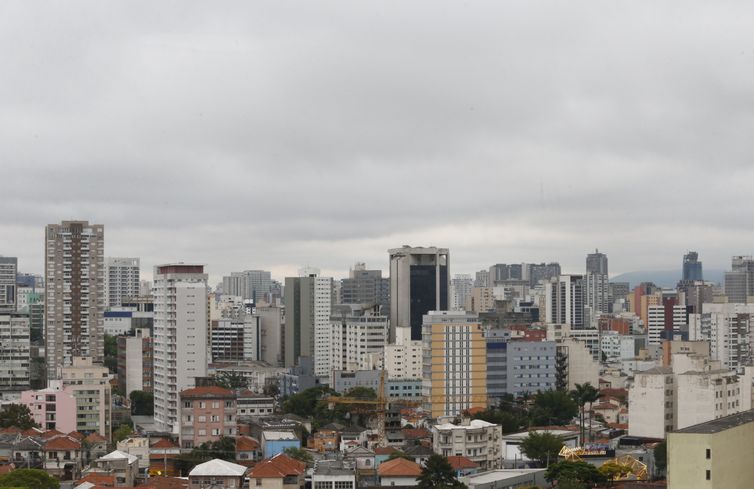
point(709, 475)
point(709, 454)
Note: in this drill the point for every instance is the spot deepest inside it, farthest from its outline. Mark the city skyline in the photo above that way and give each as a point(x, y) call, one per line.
point(262, 136)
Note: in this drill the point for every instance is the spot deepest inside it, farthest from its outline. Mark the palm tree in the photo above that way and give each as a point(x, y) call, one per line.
point(591, 395)
point(584, 394)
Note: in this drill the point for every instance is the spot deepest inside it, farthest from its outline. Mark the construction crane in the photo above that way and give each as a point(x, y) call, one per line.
point(379, 406)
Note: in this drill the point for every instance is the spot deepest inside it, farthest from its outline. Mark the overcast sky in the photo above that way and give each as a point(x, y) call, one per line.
point(278, 134)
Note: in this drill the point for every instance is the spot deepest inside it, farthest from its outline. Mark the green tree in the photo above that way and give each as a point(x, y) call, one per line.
point(582, 395)
point(510, 422)
point(111, 353)
point(142, 403)
point(17, 415)
point(299, 454)
point(613, 470)
point(552, 407)
point(224, 448)
point(29, 479)
point(271, 389)
point(231, 380)
point(366, 393)
point(661, 456)
point(581, 472)
point(123, 432)
point(542, 447)
point(437, 473)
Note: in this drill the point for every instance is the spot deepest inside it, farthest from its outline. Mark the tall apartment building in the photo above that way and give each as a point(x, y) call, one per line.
point(14, 354)
point(460, 289)
point(693, 390)
point(541, 271)
point(482, 278)
point(8, 272)
point(89, 383)
point(366, 287)
point(454, 363)
point(253, 285)
point(518, 367)
point(419, 283)
point(74, 296)
point(739, 282)
point(135, 362)
point(308, 307)
point(664, 321)
point(179, 336)
point(121, 280)
point(730, 330)
point(564, 300)
point(403, 359)
point(271, 321)
point(596, 283)
point(357, 333)
point(481, 299)
point(235, 338)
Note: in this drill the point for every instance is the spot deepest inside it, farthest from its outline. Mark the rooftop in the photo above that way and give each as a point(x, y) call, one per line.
point(493, 476)
point(208, 392)
point(720, 424)
point(399, 467)
point(473, 425)
point(220, 468)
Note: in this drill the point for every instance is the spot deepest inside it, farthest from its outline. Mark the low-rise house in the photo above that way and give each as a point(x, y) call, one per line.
point(476, 439)
point(494, 479)
point(512, 456)
point(418, 453)
point(248, 451)
point(363, 459)
point(27, 452)
point(137, 446)
point(399, 472)
point(250, 404)
point(123, 466)
point(95, 479)
point(162, 456)
point(326, 439)
point(381, 454)
point(463, 466)
point(275, 442)
point(278, 472)
point(217, 474)
point(352, 436)
point(333, 474)
point(62, 457)
point(94, 446)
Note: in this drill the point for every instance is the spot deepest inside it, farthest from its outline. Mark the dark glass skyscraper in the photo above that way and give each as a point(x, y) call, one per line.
point(692, 267)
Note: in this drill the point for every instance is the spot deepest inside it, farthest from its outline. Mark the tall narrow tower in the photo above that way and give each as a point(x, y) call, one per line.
point(75, 293)
point(419, 283)
point(596, 283)
point(180, 336)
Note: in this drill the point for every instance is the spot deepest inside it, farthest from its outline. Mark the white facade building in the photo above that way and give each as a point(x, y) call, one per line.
point(728, 328)
point(475, 439)
point(403, 360)
point(460, 290)
point(180, 336)
point(121, 279)
point(355, 337)
point(14, 353)
point(564, 300)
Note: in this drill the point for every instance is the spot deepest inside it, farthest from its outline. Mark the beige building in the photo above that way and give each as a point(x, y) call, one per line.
point(477, 440)
point(403, 360)
point(89, 384)
point(480, 299)
point(75, 293)
point(454, 363)
point(715, 454)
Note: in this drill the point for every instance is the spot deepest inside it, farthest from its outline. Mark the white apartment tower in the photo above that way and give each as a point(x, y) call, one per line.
point(308, 306)
point(564, 300)
point(74, 288)
point(180, 336)
point(121, 279)
point(8, 292)
point(596, 283)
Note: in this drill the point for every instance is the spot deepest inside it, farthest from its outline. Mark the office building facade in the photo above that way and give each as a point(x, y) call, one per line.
point(121, 280)
point(8, 288)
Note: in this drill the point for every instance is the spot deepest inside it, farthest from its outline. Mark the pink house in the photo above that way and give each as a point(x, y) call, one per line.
point(53, 408)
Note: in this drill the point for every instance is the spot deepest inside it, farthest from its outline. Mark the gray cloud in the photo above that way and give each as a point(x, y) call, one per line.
point(277, 134)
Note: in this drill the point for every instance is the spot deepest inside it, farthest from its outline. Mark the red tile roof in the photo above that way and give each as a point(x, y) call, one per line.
point(98, 479)
point(77, 435)
point(399, 467)
point(277, 467)
point(32, 432)
point(95, 437)
point(416, 433)
point(459, 463)
point(246, 444)
point(51, 433)
point(62, 443)
point(165, 483)
point(164, 443)
point(384, 450)
point(210, 391)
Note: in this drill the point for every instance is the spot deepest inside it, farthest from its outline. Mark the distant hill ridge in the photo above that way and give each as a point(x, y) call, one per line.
point(664, 278)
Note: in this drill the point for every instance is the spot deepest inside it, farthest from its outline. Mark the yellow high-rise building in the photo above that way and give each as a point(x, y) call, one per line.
point(454, 363)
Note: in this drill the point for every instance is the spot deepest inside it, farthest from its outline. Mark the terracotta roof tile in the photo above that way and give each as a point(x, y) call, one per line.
point(278, 466)
point(95, 437)
point(384, 450)
point(399, 467)
point(246, 444)
point(51, 434)
point(164, 443)
point(62, 443)
point(75, 434)
point(459, 463)
point(416, 433)
point(97, 479)
point(165, 483)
